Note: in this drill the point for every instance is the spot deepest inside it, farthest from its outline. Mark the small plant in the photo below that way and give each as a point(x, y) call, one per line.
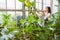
point(6, 19)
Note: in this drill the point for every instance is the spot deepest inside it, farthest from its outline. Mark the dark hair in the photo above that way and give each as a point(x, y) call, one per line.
point(49, 9)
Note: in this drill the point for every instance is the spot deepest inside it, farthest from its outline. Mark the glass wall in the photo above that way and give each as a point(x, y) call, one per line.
point(15, 7)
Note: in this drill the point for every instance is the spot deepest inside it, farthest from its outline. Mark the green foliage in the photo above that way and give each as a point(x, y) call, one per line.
point(58, 21)
point(8, 33)
point(58, 18)
point(6, 19)
point(33, 3)
point(29, 28)
point(22, 21)
point(32, 27)
point(22, 0)
point(32, 18)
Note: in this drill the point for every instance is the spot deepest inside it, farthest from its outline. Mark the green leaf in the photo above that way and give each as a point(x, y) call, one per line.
point(29, 29)
point(33, 3)
point(21, 0)
point(6, 19)
point(22, 21)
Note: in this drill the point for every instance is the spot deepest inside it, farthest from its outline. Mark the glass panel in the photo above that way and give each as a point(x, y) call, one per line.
point(10, 4)
point(39, 1)
point(31, 0)
point(55, 2)
point(44, 6)
point(46, 3)
point(18, 13)
point(26, 13)
point(38, 6)
point(55, 8)
point(18, 5)
point(11, 13)
point(2, 4)
point(26, 8)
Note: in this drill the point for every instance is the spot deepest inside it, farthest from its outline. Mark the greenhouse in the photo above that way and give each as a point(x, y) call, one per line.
point(29, 19)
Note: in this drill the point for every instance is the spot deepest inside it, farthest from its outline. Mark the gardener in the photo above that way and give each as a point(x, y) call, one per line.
point(45, 14)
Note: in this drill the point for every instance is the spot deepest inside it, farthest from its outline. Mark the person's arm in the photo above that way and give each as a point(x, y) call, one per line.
point(39, 11)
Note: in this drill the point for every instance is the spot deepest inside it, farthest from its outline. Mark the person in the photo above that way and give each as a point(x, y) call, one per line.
point(45, 14)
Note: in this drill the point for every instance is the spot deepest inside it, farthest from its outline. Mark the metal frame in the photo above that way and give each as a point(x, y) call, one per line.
point(6, 7)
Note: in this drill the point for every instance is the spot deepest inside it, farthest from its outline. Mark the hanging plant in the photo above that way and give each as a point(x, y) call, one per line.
point(27, 3)
point(33, 3)
point(22, 0)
